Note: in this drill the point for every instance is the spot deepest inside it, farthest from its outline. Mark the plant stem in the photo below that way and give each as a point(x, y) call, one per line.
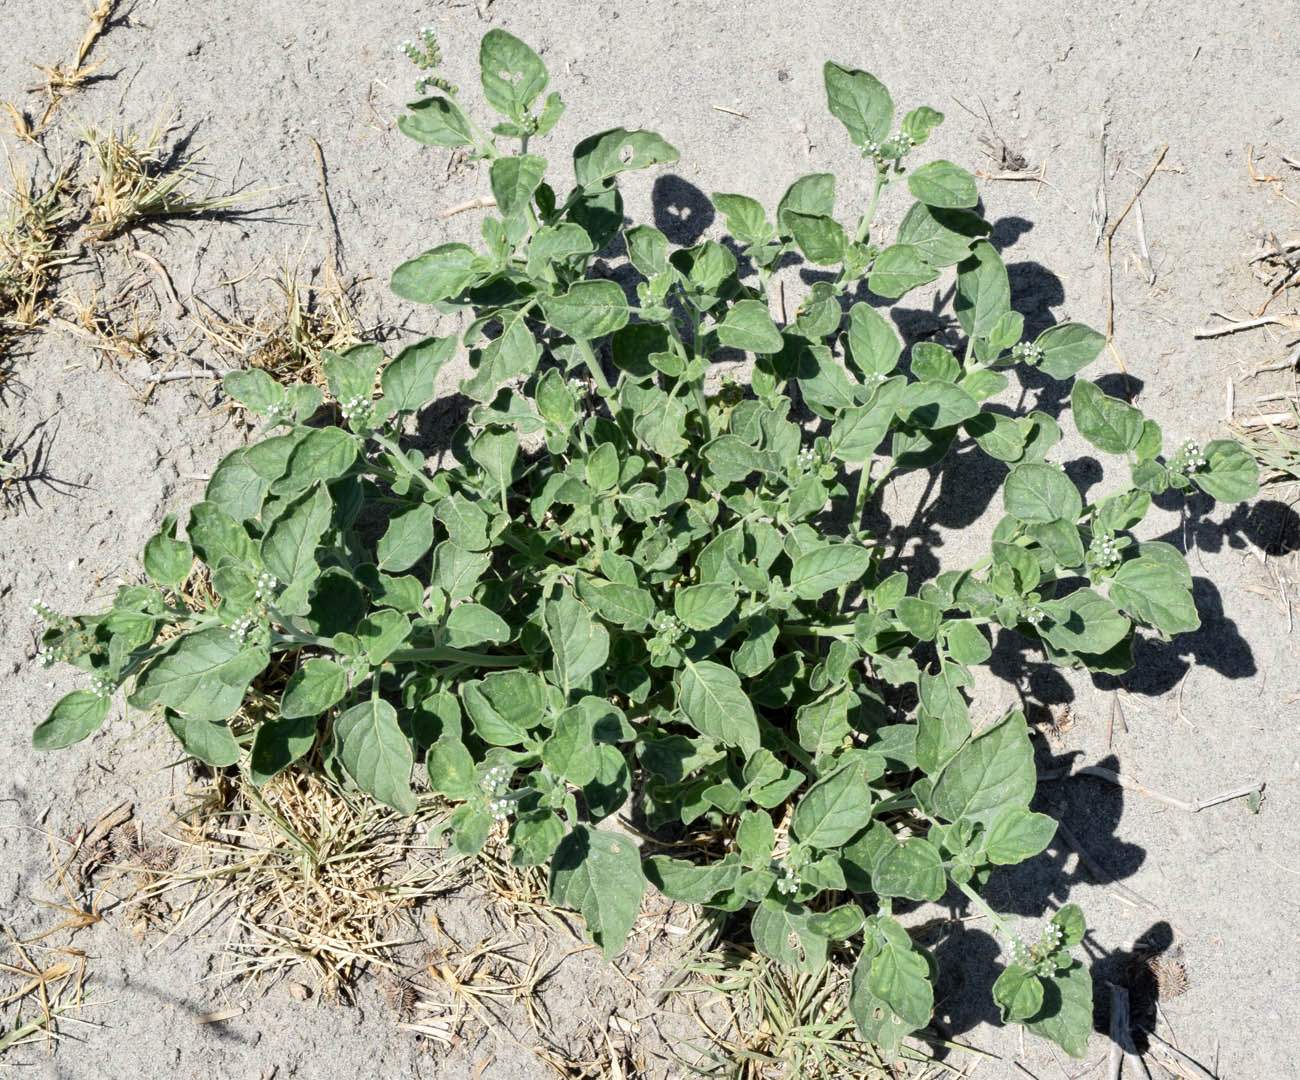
point(396, 452)
point(999, 923)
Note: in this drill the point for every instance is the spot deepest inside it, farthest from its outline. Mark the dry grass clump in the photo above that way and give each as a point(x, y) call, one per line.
point(135, 179)
point(316, 879)
point(32, 218)
point(63, 79)
point(296, 322)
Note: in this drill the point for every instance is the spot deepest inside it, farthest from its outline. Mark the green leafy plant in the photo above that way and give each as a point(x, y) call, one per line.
point(627, 586)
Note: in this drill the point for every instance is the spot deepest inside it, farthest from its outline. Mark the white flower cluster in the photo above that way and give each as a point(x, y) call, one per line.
point(1104, 549)
point(1027, 352)
point(669, 627)
point(1034, 615)
point(266, 586)
point(240, 631)
point(1053, 935)
point(101, 687)
point(1189, 457)
point(894, 147)
point(789, 882)
point(277, 412)
point(355, 407)
point(496, 782)
point(808, 457)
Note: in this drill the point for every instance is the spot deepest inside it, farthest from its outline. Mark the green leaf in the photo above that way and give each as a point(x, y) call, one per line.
point(511, 353)
point(714, 704)
point(1018, 992)
point(1068, 348)
point(661, 429)
point(918, 123)
point(408, 381)
point(680, 880)
point(556, 244)
point(746, 220)
point(289, 546)
point(616, 602)
point(966, 643)
point(860, 102)
point(474, 624)
point(321, 454)
point(407, 539)
point(998, 436)
point(1035, 492)
point(495, 453)
point(534, 836)
point(435, 121)
point(899, 269)
point(837, 924)
point(1083, 622)
point(450, 768)
point(811, 194)
point(457, 571)
point(513, 76)
point(943, 184)
point(912, 869)
point(1108, 423)
point(1230, 474)
point(936, 405)
point(941, 237)
point(599, 873)
point(782, 932)
point(209, 741)
point(1070, 919)
point(376, 754)
point(203, 674)
point(590, 309)
point(900, 975)
point(993, 771)
point(437, 274)
point(505, 705)
point(1066, 1013)
point(514, 179)
point(280, 742)
point(217, 538)
point(1155, 593)
point(873, 342)
point(316, 686)
point(821, 239)
point(983, 290)
point(702, 607)
point(1017, 834)
point(602, 467)
point(579, 644)
point(167, 560)
point(254, 389)
point(825, 568)
point(237, 485)
point(748, 326)
point(570, 751)
point(381, 632)
point(73, 717)
point(618, 150)
point(833, 809)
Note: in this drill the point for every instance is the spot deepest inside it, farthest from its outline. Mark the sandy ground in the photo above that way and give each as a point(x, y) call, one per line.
point(253, 81)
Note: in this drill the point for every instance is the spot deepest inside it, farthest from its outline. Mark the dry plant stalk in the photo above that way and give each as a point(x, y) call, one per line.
point(286, 336)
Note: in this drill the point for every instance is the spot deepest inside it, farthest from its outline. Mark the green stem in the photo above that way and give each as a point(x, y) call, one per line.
point(999, 923)
point(864, 226)
point(460, 656)
point(396, 452)
point(593, 365)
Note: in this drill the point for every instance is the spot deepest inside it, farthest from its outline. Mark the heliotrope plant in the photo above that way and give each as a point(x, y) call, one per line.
point(625, 590)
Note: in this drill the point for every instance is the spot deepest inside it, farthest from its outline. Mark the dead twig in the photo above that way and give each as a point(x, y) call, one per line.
point(336, 239)
point(1110, 233)
point(1180, 1060)
point(1234, 327)
point(473, 204)
point(1118, 889)
point(1119, 779)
